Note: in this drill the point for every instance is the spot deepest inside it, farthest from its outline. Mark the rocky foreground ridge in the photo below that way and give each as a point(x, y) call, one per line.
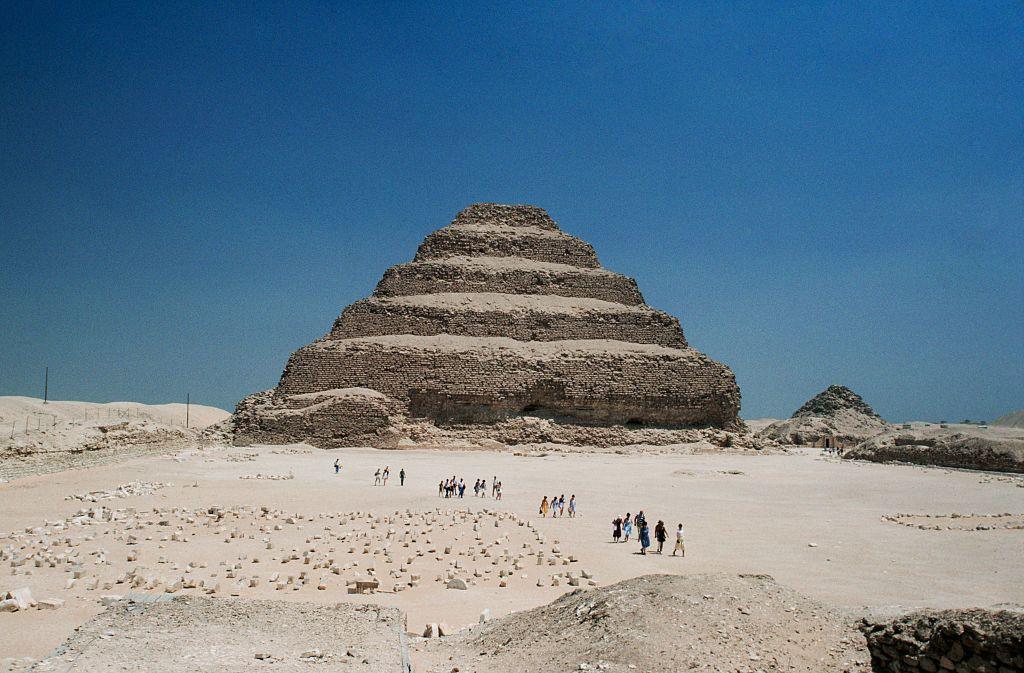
point(500, 317)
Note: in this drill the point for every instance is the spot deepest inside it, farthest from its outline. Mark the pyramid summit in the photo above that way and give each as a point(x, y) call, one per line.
point(501, 322)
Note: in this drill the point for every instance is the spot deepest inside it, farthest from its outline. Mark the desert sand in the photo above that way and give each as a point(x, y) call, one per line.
point(850, 534)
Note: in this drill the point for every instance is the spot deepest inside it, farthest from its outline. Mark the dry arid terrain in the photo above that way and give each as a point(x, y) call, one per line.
point(273, 522)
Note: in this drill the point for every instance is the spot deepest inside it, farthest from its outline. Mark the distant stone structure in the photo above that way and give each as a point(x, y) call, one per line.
point(836, 418)
point(965, 641)
point(500, 317)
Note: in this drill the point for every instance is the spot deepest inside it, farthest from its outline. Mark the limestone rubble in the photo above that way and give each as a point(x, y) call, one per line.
point(500, 316)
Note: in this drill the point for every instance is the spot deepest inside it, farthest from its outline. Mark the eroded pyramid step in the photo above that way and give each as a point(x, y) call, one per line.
point(485, 379)
point(487, 240)
point(510, 275)
point(517, 316)
point(505, 215)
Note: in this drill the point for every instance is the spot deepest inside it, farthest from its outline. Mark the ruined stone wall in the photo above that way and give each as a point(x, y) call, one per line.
point(433, 276)
point(485, 381)
point(526, 243)
point(326, 420)
point(960, 641)
point(373, 318)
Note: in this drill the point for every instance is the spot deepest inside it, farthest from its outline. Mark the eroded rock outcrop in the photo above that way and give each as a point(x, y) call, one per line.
point(500, 316)
point(836, 417)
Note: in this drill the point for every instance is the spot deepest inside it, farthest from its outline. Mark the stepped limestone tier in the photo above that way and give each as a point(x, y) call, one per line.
point(501, 317)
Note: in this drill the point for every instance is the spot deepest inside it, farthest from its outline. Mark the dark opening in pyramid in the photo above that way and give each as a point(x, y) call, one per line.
point(500, 315)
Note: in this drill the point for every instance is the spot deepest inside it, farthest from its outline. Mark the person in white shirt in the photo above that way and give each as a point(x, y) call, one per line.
point(679, 542)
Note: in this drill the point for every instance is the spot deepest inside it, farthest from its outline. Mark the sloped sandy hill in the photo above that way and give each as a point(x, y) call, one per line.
point(16, 409)
point(663, 623)
point(1012, 420)
point(37, 438)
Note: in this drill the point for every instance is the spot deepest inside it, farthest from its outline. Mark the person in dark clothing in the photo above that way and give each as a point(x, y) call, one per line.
point(660, 534)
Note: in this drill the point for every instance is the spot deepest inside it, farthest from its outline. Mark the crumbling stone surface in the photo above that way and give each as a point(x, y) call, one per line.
point(500, 316)
point(964, 641)
point(943, 447)
point(832, 400)
point(836, 417)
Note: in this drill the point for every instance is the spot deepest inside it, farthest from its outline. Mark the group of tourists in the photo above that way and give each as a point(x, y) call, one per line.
point(380, 477)
point(452, 488)
point(622, 530)
point(557, 506)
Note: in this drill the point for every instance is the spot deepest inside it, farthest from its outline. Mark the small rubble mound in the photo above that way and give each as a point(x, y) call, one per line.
point(966, 641)
point(962, 447)
point(226, 635)
point(665, 623)
point(837, 417)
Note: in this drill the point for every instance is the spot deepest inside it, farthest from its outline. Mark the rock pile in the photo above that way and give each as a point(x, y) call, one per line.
point(123, 491)
point(501, 316)
point(964, 641)
point(836, 417)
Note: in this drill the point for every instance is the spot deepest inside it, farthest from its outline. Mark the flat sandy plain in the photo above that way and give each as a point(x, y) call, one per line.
point(816, 524)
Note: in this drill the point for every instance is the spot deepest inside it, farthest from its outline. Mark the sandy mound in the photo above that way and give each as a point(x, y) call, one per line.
point(962, 446)
point(837, 416)
point(665, 623)
point(39, 438)
point(211, 635)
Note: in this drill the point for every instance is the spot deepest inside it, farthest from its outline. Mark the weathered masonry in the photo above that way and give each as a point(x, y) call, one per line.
point(500, 316)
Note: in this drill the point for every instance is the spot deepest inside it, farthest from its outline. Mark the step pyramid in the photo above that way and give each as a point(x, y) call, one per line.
point(499, 316)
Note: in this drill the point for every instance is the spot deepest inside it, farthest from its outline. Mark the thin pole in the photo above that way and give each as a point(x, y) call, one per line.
point(187, 402)
point(46, 385)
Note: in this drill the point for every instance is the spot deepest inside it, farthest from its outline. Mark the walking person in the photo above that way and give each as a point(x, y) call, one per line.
point(644, 534)
point(544, 507)
point(572, 506)
point(497, 490)
point(376, 477)
point(660, 534)
point(495, 486)
point(679, 542)
point(561, 505)
point(337, 466)
point(387, 473)
point(616, 529)
point(401, 477)
point(440, 488)
point(627, 528)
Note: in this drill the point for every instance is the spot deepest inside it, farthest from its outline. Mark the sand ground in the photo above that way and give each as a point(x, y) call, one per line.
point(814, 523)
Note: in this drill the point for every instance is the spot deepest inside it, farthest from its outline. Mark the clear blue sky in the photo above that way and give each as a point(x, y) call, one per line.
point(822, 192)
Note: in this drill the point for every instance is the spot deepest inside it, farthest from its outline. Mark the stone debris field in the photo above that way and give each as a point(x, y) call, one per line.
point(259, 551)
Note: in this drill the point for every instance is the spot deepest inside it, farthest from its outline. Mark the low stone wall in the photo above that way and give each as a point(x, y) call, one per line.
point(429, 277)
point(372, 317)
point(494, 241)
point(962, 641)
